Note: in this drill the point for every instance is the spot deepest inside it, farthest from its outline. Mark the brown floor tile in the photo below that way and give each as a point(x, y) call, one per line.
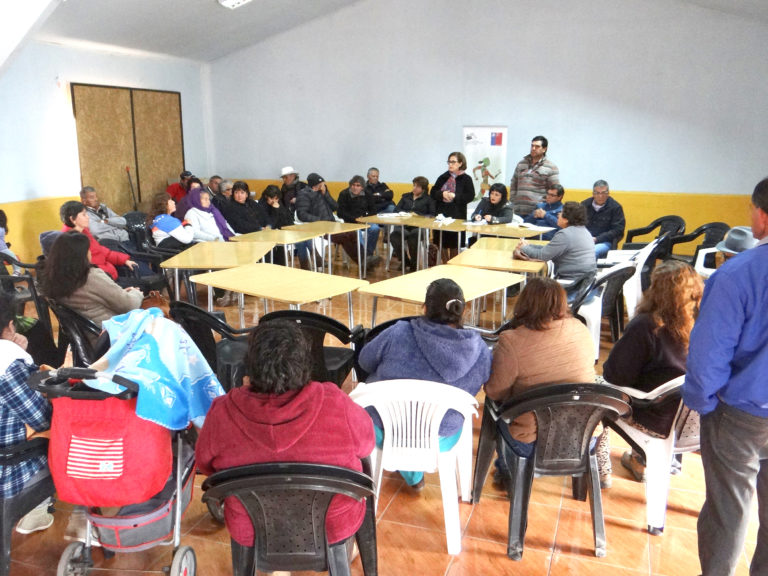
point(405, 549)
point(423, 509)
point(564, 565)
point(490, 521)
point(486, 557)
point(626, 543)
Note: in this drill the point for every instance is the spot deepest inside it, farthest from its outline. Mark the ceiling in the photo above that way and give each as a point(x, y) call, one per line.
point(202, 30)
point(199, 30)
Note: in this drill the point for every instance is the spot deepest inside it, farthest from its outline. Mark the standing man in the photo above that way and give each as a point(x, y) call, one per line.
point(354, 203)
point(605, 219)
point(726, 383)
point(534, 175)
point(178, 190)
point(547, 212)
point(103, 222)
point(379, 192)
point(291, 187)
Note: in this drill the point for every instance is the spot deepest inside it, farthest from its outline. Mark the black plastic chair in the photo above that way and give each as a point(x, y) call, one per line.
point(329, 363)
point(566, 416)
point(225, 357)
point(16, 507)
point(609, 288)
point(85, 337)
point(288, 503)
point(370, 334)
point(670, 225)
point(713, 233)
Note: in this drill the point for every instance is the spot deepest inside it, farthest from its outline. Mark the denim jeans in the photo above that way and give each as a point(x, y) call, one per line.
point(413, 478)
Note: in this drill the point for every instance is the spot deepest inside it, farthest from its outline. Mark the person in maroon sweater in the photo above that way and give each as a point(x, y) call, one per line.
point(75, 217)
point(279, 415)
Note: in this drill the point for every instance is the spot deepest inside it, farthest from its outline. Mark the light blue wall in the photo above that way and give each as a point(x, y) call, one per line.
point(652, 95)
point(38, 146)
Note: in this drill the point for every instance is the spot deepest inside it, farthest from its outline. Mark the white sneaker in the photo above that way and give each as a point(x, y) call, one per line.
point(37, 519)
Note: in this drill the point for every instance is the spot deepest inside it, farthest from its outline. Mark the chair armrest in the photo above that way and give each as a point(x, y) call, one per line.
point(640, 231)
point(357, 335)
point(23, 451)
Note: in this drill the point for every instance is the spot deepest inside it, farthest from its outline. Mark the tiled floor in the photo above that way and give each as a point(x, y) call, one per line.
point(411, 537)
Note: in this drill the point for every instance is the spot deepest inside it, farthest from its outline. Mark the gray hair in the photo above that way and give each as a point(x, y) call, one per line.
point(600, 184)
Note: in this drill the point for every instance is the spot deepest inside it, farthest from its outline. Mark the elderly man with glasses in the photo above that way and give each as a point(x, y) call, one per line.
point(605, 219)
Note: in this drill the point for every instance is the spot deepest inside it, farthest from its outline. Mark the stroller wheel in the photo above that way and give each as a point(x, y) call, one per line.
point(184, 562)
point(73, 561)
point(216, 510)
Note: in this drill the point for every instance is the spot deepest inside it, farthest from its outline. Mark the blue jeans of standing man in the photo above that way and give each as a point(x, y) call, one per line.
point(734, 453)
point(373, 238)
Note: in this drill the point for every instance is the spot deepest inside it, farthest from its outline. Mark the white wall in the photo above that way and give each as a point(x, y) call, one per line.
point(38, 145)
point(652, 95)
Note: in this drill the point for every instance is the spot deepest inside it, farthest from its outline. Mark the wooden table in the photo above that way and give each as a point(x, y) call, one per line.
point(327, 228)
point(503, 244)
point(291, 285)
point(282, 238)
point(216, 256)
point(497, 260)
point(413, 287)
point(394, 219)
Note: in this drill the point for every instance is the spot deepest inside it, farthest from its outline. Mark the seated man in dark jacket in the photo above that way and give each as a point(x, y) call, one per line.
point(315, 204)
point(354, 203)
point(605, 219)
point(379, 192)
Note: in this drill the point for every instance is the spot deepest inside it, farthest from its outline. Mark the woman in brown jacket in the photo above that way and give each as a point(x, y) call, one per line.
point(546, 345)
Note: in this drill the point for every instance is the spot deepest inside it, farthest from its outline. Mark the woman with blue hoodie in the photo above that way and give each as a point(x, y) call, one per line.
point(432, 347)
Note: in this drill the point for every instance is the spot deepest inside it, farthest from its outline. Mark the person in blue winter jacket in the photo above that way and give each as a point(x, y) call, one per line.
point(432, 347)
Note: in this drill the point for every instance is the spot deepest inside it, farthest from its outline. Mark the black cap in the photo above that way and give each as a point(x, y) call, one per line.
point(185, 174)
point(314, 179)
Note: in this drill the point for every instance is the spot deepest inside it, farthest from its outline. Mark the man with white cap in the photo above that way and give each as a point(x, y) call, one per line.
point(291, 186)
point(726, 383)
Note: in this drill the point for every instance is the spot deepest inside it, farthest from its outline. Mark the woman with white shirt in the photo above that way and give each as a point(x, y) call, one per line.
point(206, 220)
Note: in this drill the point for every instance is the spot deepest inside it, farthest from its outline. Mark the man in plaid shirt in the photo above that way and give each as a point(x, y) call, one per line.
point(20, 406)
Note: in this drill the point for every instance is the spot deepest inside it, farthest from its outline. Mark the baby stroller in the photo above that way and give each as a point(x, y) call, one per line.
point(102, 455)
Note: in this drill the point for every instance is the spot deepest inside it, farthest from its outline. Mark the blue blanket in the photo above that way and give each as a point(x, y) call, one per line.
point(176, 385)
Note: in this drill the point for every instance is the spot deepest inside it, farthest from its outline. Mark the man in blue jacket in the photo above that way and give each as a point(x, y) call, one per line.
point(726, 383)
point(546, 212)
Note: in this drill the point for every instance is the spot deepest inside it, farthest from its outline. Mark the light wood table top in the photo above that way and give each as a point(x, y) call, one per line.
point(504, 244)
point(279, 237)
point(218, 255)
point(497, 260)
point(413, 287)
point(326, 227)
point(291, 285)
point(506, 230)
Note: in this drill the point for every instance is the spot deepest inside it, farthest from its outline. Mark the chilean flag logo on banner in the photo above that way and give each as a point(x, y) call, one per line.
point(496, 138)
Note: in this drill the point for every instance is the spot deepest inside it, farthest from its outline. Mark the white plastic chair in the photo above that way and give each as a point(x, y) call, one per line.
point(699, 266)
point(411, 412)
point(633, 288)
point(683, 436)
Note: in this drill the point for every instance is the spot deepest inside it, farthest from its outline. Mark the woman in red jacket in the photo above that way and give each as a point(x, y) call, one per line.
point(279, 415)
point(74, 217)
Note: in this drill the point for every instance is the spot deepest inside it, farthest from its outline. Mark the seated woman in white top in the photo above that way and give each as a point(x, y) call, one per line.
point(206, 220)
point(168, 231)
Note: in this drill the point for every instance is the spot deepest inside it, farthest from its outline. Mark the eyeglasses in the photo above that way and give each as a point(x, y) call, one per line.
point(604, 193)
point(553, 194)
point(453, 162)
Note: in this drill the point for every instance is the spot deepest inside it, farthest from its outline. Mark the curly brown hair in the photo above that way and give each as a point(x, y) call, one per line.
point(672, 300)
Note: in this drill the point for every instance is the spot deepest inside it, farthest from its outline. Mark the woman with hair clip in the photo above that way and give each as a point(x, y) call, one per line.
point(432, 347)
point(71, 279)
point(654, 347)
point(545, 345)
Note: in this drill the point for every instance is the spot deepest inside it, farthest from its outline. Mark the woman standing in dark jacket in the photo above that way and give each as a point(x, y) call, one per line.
point(452, 191)
point(242, 213)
